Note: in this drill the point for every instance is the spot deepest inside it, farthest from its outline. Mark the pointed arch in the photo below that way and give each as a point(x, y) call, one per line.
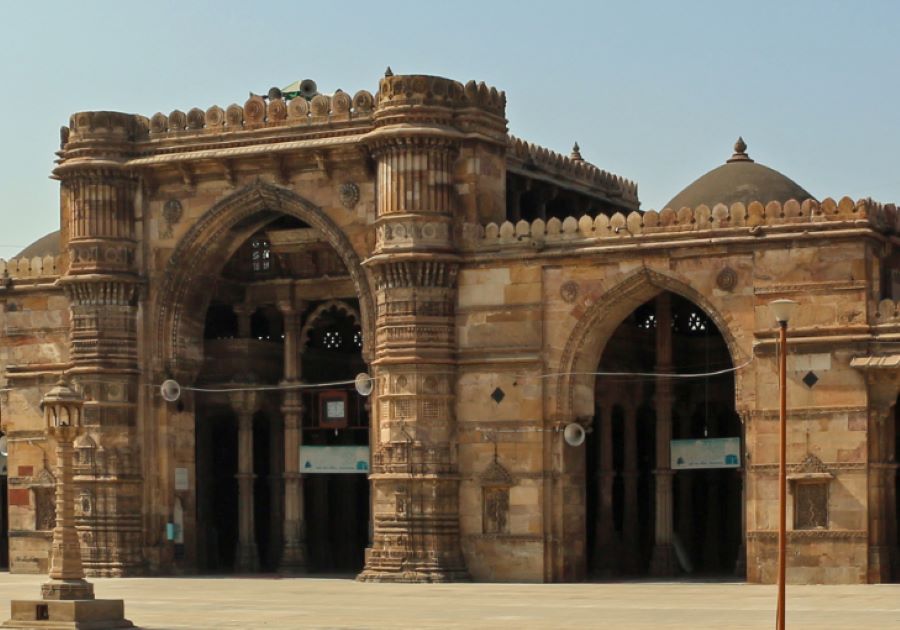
point(203, 251)
point(603, 314)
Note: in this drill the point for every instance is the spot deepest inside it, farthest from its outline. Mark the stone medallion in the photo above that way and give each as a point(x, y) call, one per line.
point(349, 194)
point(727, 279)
point(569, 291)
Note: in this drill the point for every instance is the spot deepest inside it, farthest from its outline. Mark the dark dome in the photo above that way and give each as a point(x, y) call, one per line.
point(44, 246)
point(740, 179)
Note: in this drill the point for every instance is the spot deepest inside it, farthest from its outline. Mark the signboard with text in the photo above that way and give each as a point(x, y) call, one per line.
point(706, 453)
point(334, 459)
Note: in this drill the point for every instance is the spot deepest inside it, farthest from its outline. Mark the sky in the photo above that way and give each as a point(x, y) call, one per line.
point(656, 92)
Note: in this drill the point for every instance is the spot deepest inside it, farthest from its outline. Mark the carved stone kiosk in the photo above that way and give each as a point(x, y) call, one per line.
point(67, 600)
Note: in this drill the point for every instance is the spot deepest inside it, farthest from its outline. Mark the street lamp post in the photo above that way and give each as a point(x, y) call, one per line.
point(782, 310)
point(67, 599)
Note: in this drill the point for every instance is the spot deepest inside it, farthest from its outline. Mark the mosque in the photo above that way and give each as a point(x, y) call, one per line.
point(562, 387)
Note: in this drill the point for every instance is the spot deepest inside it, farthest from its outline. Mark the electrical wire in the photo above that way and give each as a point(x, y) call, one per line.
point(653, 374)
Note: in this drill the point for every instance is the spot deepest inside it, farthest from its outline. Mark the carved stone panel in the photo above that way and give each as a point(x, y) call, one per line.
point(44, 508)
point(811, 505)
point(495, 517)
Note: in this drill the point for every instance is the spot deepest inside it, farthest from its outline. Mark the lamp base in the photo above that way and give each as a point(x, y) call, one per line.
point(68, 614)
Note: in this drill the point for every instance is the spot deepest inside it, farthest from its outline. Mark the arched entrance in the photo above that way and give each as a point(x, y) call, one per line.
point(650, 513)
point(277, 295)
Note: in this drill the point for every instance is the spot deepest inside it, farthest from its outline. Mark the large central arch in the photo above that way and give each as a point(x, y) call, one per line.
point(210, 242)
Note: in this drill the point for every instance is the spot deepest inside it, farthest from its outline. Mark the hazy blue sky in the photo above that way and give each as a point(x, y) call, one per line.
point(656, 92)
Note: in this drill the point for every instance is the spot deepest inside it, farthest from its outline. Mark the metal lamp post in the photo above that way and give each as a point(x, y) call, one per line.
point(782, 310)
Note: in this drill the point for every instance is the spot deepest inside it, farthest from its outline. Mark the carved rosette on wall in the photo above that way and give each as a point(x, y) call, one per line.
point(349, 195)
point(727, 279)
point(569, 291)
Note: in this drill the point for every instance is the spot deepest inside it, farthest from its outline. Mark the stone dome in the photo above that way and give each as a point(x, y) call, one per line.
point(740, 179)
point(47, 245)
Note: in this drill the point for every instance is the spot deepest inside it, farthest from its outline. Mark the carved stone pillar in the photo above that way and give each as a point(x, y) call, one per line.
point(663, 562)
point(244, 404)
point(102, 283)
point(630, 474)
point(414, 465)
point(293, 558)
point(882, 475)
point(685, 486)
point(605, 547)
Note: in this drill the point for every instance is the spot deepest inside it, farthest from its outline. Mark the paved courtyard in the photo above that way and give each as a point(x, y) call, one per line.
point(281, 604)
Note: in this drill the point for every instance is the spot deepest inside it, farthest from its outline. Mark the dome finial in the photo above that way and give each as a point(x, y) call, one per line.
point(575, 155)
point(740, 152)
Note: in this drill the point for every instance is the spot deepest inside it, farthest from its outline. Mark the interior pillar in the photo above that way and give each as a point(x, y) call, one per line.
point(605, 548)
point(630, 473)
point(294, 556)
point(247, 557)
point(663, 560)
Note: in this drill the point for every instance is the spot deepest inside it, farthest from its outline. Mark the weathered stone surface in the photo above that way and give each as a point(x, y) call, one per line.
point(471, 262)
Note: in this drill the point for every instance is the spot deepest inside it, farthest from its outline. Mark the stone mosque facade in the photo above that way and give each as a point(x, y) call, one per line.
point(500, 295)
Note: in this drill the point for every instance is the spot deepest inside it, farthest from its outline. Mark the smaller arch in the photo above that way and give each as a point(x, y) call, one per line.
point(320, 310)
point(593, 330)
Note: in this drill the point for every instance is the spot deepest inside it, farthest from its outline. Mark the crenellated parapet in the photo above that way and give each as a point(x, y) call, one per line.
point(531, 156)
point(259, 113)
point(30, 268)
point(754, 216)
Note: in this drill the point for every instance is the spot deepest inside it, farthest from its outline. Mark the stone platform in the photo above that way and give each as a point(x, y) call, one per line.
point(78, 614)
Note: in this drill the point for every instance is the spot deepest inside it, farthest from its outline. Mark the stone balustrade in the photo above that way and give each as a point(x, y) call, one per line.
point(37, 267)
point(556, 232)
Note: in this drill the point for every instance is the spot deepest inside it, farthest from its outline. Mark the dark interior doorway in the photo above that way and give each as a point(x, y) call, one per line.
point(622, 483)
point(217, 494)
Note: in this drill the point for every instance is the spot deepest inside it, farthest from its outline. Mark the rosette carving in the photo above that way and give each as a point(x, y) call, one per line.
point(277, 110)
point(320, 105)
point(234, 116)
point(159, 123)
point(196, 119)
point(298, 108)
point(255, 110)
point(363, 102)
point(177, 120)
point(349, 195)
point(215, 116)
point(340, 103)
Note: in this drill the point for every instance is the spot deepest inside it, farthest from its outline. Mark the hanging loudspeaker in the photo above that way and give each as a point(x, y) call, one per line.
point(363, 384)
point(4, 446)
point(170, 390)
point(574, 434)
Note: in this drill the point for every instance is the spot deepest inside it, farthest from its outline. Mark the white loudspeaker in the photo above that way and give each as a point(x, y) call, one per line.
point(573, 434)
point(363, 383)
point(4, 446)
point(170, 390)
